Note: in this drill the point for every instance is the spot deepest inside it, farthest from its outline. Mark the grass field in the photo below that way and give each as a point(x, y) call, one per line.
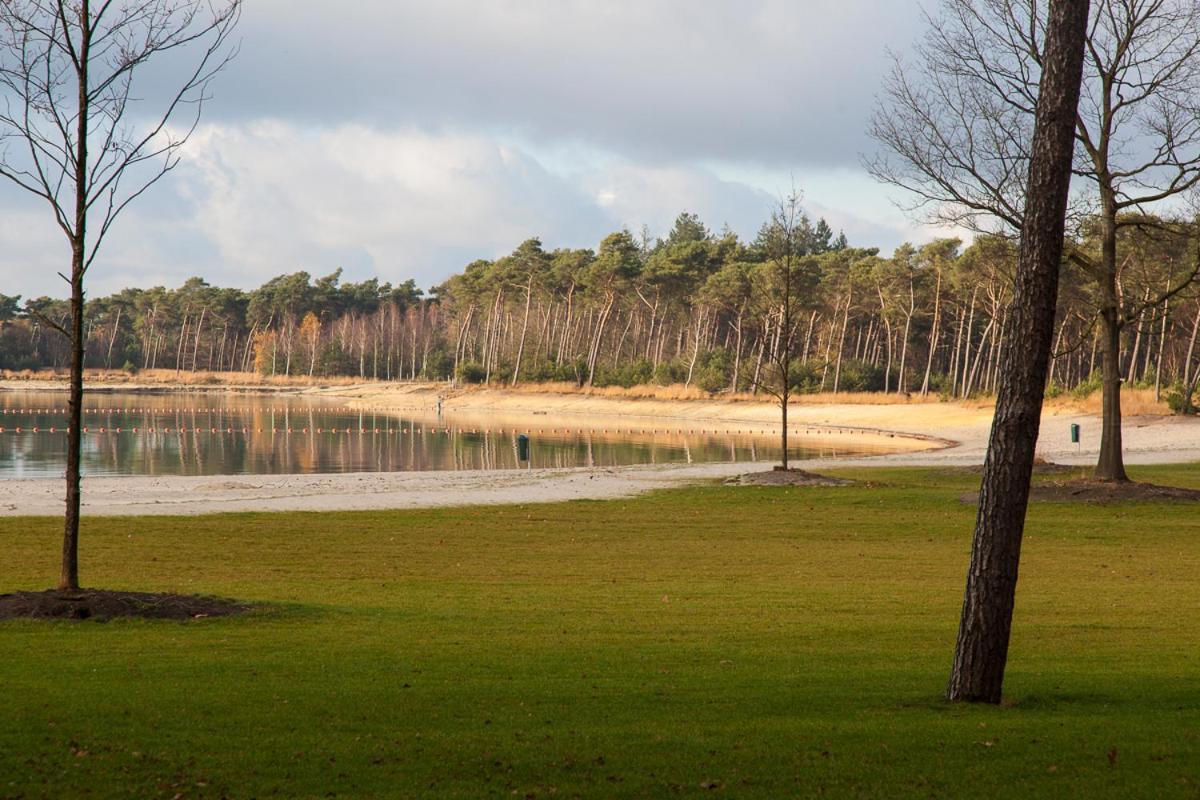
point(716, 641)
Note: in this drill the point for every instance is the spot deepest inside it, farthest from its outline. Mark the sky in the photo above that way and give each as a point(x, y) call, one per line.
point(398, 139)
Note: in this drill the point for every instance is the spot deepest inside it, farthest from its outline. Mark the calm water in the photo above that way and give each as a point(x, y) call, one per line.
point(209, 434)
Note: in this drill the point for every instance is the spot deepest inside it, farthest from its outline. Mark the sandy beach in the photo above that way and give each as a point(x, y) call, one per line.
point(922, 433)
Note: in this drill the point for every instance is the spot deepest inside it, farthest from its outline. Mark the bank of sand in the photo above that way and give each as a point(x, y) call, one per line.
point(919, 433)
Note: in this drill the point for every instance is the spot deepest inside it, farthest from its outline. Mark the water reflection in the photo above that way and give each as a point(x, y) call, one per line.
point(211, 434)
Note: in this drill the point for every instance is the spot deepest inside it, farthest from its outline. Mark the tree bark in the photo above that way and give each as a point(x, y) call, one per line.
point(69, 578)
point(1110, 466)
point(981, 652)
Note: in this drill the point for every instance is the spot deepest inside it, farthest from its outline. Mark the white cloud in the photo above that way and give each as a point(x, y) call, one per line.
point(254, 200)
point(395, 204)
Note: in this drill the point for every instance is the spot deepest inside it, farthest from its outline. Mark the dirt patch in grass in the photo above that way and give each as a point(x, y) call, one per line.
point(101, 605)
point(1094, 492)
point(791, 477)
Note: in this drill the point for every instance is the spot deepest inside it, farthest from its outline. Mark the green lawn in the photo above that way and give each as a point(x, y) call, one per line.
point(717, 641)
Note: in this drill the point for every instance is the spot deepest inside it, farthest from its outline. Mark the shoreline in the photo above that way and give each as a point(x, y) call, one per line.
point(917, 433)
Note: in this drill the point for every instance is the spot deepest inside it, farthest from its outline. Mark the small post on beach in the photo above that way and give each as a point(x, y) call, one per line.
point(523, 449)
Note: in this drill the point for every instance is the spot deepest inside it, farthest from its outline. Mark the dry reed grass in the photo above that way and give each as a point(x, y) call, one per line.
point(1134, 403)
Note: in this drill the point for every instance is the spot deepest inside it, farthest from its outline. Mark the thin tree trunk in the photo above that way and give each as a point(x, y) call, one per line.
point(1057, 346)
point(69, 577)
point(524, 330)
point(112, 340)
point(695, 347)
point(837, 372)
point(1110, 466)
point(1158, 362)
point(179, 348)
point(196, 337)
point(934, 332)
point(737, 352)
point(1187, 362)
point(1131, 373)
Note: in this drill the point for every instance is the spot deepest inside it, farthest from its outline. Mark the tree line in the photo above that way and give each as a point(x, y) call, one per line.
point(695, 307)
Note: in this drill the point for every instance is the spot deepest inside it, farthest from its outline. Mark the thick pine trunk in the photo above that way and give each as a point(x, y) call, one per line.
point(981, 652)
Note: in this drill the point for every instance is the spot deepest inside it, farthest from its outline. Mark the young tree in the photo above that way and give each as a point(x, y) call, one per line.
point(958, 129)
point(786, 280)
point(77, 130)
point(981, 652)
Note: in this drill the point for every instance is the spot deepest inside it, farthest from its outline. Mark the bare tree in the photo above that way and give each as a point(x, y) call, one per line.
point(782, 294)
point(957, 126)
point(981, 652)
point(82, 129)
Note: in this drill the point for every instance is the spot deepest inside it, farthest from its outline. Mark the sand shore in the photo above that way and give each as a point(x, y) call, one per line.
point(923, 433)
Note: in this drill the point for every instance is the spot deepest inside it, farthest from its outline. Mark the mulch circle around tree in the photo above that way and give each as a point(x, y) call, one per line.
point(791, 477)
point(101, 605)
point(1094, 492)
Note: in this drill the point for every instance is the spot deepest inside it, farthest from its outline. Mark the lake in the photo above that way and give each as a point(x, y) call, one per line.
point(204, 433)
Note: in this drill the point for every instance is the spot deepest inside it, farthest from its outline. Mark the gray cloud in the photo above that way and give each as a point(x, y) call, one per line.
point(771, 81)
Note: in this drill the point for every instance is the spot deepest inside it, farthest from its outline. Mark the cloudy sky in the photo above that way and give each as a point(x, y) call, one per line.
point(403, 139)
